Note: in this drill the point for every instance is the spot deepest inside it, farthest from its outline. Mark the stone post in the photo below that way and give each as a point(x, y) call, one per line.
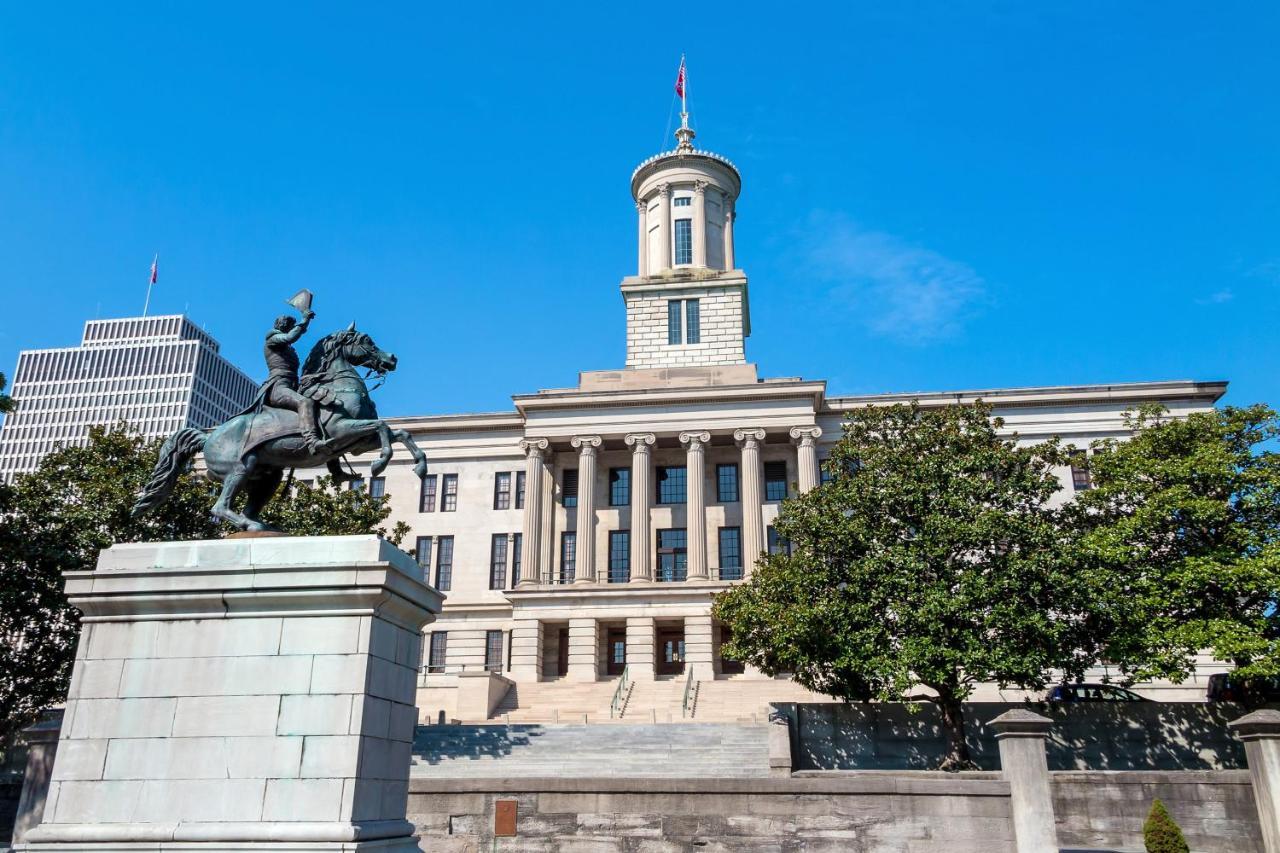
point(696, 504)
point(752, 520)
point(1260, 732)
point(531, 541)
point(700, 223)
point(642, 208)
point(1021, 736)
point(806, 441)
point(664, 237)
point(241, 694)
point(780, 761)
point(42, 748)
point(585, 566)
point(698, 648)
point(729, 214)
point(641, 642)
point(584, 650)
point(526, 650)
point(641, 494)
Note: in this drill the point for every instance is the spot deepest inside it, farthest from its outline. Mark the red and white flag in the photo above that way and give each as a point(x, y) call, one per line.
point(680, 79)
point(155, 269)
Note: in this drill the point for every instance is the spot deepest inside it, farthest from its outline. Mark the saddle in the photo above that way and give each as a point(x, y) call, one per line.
point(270, 423)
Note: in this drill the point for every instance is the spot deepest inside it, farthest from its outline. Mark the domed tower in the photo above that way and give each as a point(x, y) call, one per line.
point(687, 303)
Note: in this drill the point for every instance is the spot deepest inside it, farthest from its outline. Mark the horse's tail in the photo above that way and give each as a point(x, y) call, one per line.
point(175, 454)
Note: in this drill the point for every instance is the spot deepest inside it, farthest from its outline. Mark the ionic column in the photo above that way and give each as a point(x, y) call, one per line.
point(664, 192)
point(729, 214)
point(752, 521)
point(535, 451)
point(696, 505)
point(585, 567)
point(806, 442)
point(641, 493)
point(642, 208)
point(700, 224)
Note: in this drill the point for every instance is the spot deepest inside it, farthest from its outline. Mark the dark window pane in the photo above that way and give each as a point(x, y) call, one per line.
point(692, 322)
point(672, 484)
point(684, 241)
point(449, 500)
point(619, 556)
point(356, 485)
point(778, 544)
point(775, 481)
point(439, 647)
point(727, 483)
point(570, 487)
point(493, 651)
point(673, 555)
point(517, 548)
point(619, 486)
point(422, 550)
point(730, 553)
point(673, 322)
point(519, 490)
point(427, 496)
point(378, 487)
point(568, 557)
point(498, 561)
point(502, 490)
point(1080, 477)
point(444, 563)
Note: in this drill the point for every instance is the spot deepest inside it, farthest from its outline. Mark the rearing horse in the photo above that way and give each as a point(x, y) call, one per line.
point(251, 451)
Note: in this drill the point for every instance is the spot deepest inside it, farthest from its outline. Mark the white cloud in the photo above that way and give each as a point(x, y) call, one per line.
point(899, 290)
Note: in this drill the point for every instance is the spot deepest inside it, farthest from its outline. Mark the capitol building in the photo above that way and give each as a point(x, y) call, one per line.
point(583, 533)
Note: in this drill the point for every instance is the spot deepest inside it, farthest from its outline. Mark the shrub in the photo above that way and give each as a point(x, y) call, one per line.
point(1161, 834)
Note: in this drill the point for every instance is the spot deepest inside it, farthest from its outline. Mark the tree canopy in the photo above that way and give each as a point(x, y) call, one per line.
point(78, 502)
point(930, 558)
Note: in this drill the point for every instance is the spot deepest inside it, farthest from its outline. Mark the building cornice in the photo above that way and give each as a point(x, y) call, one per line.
point(1051, 395)
point(573, 398)
point(469, 422)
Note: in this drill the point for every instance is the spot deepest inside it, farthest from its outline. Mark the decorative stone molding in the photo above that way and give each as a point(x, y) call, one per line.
point(749, 437)
point(700, 187)
point(586, 444)
point(664, 190)
point(640, 442)
point(694, 440)
point(534, 447)
point(805, 436)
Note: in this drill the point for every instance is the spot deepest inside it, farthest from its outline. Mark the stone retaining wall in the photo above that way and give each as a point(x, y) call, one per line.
point(866, 813)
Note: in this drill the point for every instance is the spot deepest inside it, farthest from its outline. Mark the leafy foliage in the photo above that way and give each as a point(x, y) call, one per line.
point(6, 402)
point(1161, 834)
point(930, 559)
point(78, 502)
point(1178, 542)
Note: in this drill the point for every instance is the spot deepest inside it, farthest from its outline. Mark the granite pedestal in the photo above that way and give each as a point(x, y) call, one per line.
point(241, 694)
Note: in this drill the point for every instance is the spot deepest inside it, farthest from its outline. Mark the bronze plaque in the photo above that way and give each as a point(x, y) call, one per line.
point(504, 819)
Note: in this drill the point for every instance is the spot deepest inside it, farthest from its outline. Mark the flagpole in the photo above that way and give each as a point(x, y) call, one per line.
point(151, 280)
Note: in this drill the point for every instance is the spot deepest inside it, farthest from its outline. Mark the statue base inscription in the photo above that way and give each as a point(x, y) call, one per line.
point(244, 694)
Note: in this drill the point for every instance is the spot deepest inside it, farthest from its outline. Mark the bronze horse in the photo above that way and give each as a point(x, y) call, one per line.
point(251, 451)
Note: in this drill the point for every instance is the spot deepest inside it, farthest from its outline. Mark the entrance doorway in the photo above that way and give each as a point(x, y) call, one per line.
point(728, 666)
point(616, 651)
point(670, 651)
point(562, 654)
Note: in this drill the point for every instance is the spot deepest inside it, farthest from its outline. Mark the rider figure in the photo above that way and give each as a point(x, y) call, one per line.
point(281, 388)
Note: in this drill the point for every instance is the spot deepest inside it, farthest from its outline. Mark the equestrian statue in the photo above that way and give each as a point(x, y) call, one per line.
point(296, 421)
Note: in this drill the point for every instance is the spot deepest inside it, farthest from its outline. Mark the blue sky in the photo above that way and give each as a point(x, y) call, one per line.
point(936, 196)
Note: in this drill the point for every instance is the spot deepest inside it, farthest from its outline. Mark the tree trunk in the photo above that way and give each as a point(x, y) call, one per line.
point(957, 757)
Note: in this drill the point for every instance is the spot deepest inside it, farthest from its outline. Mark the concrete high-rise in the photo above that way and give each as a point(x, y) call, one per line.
point(156, 373)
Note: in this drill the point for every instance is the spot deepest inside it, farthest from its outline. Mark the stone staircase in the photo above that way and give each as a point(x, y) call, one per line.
point(745, 699)
point(703, 750)
point(557, 701)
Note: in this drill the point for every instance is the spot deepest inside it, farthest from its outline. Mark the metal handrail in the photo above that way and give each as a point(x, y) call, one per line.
point(688, 689)
point(615, 705)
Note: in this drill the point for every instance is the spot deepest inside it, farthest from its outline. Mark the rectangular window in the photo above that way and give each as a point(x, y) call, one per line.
point(517, 549)
point(1080, 477)
point(619, 556)
point(422, 551)
point(519, 490)
point(498, 561)
point(502, 490)
point(684, 241)
point(730, 553)
point(824, 472)
point(568, 557)
point(439, 648)
point(356, 485)
point(427, 494)
point(672, 484)
point(444, 563)
point(673, 322)
point(778, 544)
point(449, 498)
point(727, 483)
point(775, 481)
point(619, 486)
point(493, 651)
point(673, 555)
point(681, 201)
point(692, 322)
point(569, 483)
point(377, 487)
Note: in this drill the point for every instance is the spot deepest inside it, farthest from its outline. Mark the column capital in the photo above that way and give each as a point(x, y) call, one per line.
point(806, 436)
point(641, 205)
point(695, 440)
point(664, 190)
point(534, 447)
point(587, 444)
point(699, 187)
point(640, 442)
point(748, 437)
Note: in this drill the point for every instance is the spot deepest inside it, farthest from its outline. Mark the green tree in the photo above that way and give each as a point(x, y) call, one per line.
point(1160, 834)
point(1179, 540)
point(929, 559)
point(6, 402)
point(78, 502)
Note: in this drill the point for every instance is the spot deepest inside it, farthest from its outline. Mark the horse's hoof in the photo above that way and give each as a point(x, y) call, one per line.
point(378, 466)
point(421, 470)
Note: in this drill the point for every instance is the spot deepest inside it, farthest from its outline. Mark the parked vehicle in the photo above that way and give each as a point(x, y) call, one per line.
point(1227, 687)
point(1092, 693)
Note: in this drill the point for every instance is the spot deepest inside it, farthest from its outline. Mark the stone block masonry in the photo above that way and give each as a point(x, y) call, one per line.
point(246, 693)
